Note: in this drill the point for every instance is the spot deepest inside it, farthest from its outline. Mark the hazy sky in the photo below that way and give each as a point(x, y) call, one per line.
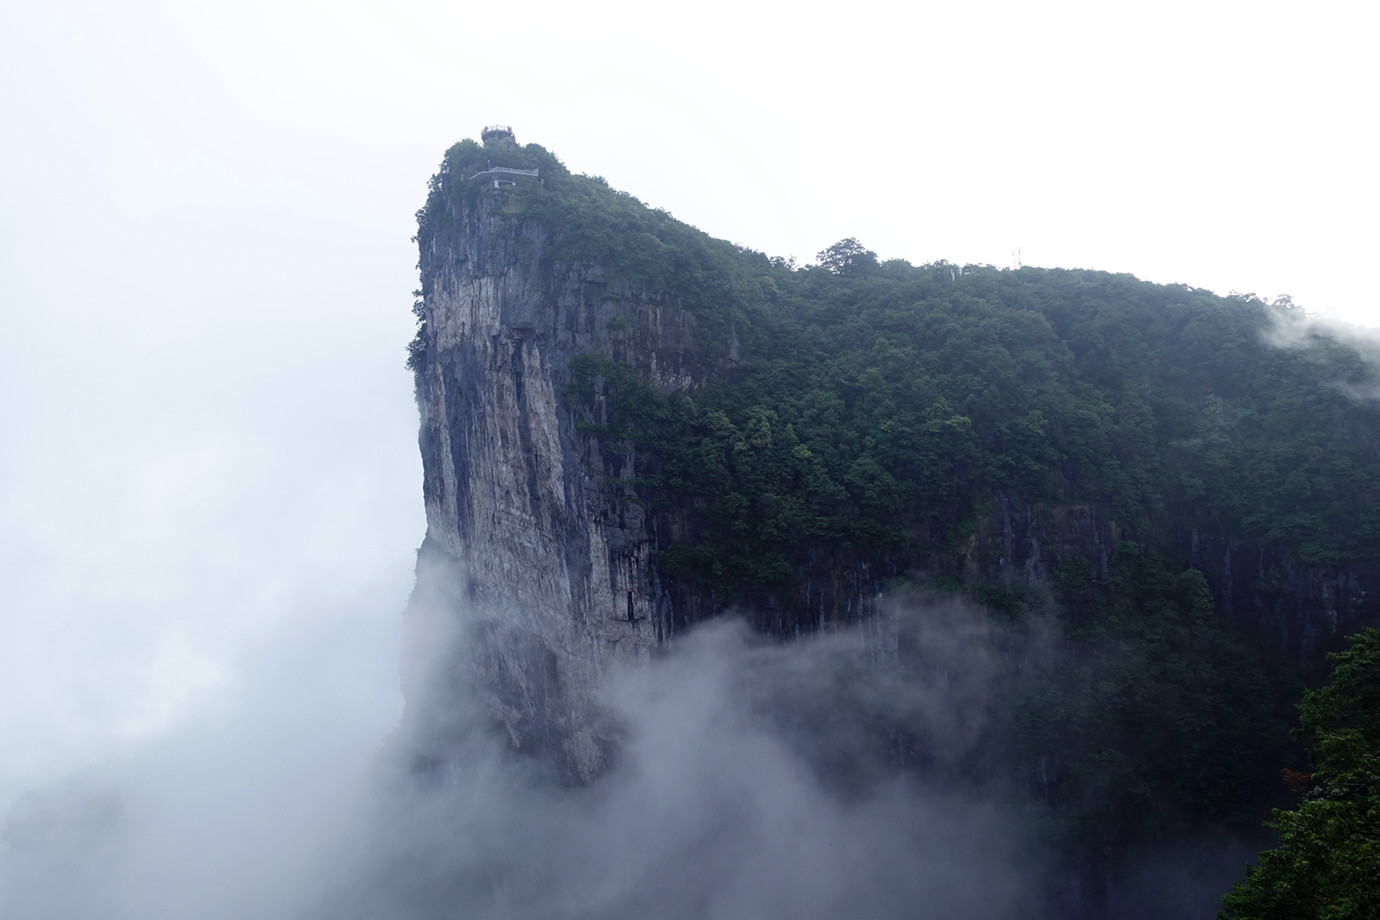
point(205, 268)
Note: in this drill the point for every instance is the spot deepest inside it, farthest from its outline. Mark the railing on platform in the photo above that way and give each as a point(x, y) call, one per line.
point(500, 173)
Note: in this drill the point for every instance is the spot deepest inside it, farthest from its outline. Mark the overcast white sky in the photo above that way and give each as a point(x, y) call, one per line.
point(208, 438)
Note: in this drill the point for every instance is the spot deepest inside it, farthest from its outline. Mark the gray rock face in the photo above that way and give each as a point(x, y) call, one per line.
point(531, 527)
point(1301, 609)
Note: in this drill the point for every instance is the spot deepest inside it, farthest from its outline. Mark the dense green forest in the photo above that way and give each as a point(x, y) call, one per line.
point(878, 410)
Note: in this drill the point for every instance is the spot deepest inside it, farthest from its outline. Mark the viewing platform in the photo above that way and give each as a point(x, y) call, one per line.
point(503, 175)
point(497, 133)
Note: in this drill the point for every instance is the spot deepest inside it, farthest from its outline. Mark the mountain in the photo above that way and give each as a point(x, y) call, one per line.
point(629, 428)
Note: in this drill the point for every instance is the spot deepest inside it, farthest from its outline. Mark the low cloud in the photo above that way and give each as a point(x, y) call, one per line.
point(849, 774)
point(755, 779)
point(1294, 329)
point(234, 813)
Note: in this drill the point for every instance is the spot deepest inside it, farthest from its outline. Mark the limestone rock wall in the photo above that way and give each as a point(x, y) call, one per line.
point(528, 518)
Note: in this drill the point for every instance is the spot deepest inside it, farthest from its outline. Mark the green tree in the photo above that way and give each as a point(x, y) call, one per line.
point(1327, 865)
point(848, 257)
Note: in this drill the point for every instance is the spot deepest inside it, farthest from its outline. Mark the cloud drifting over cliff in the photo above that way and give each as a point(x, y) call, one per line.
point(842, 775)
point(1292, 328)
point(752, 781)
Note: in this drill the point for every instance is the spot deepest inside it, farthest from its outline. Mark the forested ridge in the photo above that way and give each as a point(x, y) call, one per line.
point(873, 396)
point(879, 410)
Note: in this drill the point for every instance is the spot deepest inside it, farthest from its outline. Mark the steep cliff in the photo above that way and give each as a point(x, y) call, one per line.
point(627, 427)
point(533, 525)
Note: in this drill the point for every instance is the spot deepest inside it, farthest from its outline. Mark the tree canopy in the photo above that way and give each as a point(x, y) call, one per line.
point(1327, 864)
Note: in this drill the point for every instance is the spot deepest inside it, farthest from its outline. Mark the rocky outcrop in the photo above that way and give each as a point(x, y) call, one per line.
point(531, 523)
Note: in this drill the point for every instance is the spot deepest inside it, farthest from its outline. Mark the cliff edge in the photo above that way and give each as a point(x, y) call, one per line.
point(532, 524)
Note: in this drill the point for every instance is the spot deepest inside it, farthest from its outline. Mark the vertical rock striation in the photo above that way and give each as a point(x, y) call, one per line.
point(531, 524)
